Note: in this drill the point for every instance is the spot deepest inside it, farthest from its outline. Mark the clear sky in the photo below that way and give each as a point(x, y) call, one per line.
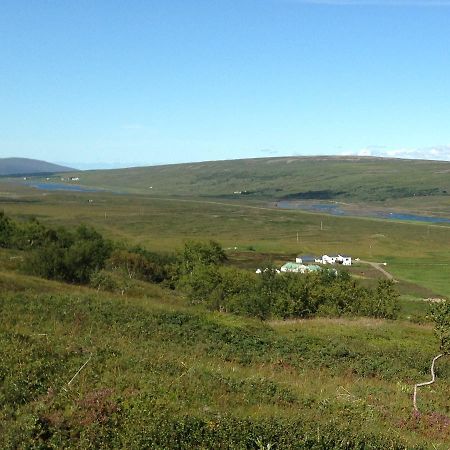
point(116, 83)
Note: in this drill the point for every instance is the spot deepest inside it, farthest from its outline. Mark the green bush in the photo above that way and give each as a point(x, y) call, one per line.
point(70, 257)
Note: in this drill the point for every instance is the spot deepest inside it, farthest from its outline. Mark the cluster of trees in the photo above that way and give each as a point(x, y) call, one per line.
point(80, 255)
point(56, 253)
point(84, 256)
point(205, 279)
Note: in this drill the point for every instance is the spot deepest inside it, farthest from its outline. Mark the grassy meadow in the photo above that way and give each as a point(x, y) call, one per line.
point(160, 373)
point(416, 253)
point(163, 375)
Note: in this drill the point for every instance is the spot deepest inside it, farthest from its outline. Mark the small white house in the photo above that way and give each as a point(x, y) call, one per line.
point(345, 260)
point(329, 259)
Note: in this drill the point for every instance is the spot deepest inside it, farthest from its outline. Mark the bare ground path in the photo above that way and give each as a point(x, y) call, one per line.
point(379, 267)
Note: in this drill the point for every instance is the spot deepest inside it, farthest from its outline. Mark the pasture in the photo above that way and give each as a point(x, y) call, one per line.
point(162, 373)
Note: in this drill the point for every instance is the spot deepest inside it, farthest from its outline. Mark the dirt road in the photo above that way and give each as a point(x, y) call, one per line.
point(380, 267)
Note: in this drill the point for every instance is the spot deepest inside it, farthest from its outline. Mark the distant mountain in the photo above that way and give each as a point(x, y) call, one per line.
point(25, 166)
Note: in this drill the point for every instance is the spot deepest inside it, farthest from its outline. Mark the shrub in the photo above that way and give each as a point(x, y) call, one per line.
point(71, 257)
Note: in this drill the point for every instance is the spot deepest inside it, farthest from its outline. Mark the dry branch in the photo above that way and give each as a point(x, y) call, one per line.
point(78, 371)
point(433, 377)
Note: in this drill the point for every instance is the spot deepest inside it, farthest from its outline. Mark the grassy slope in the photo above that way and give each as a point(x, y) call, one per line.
point(156, 362)
point(350, 178)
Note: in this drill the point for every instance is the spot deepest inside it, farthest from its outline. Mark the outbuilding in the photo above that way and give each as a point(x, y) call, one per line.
point(305, 259)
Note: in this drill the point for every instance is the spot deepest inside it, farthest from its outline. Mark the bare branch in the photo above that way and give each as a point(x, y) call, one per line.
point(79, 370)
point(433, 377)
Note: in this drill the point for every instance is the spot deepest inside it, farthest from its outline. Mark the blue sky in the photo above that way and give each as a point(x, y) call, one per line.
point(114, 83)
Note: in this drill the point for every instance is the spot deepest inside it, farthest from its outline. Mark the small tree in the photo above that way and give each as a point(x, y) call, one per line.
point(7, 229)
point(440, 314)
point(200, 253)
point(383, 302)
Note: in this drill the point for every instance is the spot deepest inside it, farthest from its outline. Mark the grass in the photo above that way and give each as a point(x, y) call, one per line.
point(349, 178)
point(163, 374)
point(205, 365)
point(416, 253)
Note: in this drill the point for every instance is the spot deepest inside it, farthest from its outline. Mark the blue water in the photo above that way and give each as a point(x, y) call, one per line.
point(337, 211)
point(62, 187)
point(399, 216)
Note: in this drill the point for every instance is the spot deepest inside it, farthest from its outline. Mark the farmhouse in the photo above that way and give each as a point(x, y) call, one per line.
point(345, 260)
point(305, 259)
point(329, 259)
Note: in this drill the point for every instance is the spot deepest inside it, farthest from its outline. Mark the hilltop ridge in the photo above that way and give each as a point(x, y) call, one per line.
point(353, 178)
point(26, 166)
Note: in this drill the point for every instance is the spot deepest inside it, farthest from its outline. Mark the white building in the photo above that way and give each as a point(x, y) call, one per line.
point(345, 260)
point(329, 259)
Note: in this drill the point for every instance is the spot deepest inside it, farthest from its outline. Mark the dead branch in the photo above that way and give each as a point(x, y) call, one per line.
point(433, 377)
point(78, 371)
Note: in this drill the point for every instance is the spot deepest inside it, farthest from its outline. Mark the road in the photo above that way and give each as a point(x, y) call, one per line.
point(380, 267)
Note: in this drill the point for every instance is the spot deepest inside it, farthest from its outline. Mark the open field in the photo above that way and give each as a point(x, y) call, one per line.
point(415, 252)
point(164, 374)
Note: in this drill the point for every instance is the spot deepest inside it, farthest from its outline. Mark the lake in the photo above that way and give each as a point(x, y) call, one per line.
point(62, 187)
point(337, 210)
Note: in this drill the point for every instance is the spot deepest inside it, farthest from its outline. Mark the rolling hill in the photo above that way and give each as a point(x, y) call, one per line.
point(25, 166)
point(316, 178)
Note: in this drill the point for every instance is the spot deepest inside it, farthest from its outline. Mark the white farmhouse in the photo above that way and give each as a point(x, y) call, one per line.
point(329, 259)
point(345, 260)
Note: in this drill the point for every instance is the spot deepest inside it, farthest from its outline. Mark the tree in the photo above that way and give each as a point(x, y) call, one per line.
point(71, 257)
point(440, 314)
point(7, 230)
point(201, 284)
point(200, 253)
point(383, 303)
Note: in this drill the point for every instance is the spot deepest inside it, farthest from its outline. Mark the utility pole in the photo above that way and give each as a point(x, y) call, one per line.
point(297, 237)
point(321, 225)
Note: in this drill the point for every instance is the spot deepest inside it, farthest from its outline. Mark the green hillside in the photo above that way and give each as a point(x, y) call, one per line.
point(345, 178)
point(156, 373)
point(138, 365)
